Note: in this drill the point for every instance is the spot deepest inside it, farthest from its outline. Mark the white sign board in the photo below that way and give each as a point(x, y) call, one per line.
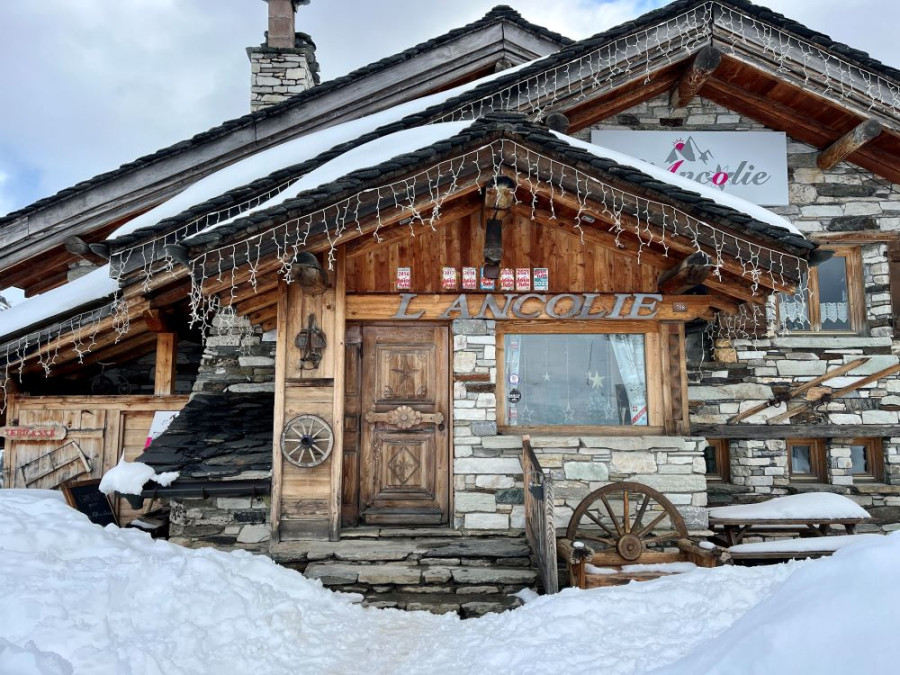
point(751, 165)
point(161, 421)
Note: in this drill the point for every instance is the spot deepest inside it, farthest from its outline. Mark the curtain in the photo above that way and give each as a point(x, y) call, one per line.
point(629, 351)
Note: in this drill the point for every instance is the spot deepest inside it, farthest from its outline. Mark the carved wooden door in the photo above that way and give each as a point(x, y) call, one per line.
point(404, 455)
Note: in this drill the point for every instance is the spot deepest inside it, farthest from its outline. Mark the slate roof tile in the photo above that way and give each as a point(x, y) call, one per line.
point(217, 436)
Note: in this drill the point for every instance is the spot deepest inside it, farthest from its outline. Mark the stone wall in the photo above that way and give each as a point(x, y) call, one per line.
point(237, 357)
point(488, 483)
point(276, 74)
point(223, 522)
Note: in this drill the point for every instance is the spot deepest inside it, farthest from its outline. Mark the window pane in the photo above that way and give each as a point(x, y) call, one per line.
point(833, 306)
point(575, 380)
point(800, 459)
point(793, 310)
point(709, 456)
point(859, 456)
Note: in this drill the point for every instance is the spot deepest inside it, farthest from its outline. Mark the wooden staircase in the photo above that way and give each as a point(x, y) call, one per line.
point(435, 570)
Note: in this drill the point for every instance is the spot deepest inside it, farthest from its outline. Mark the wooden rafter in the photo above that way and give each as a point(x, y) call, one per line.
point(690, 272)
point(849, 143)
point(695, 76)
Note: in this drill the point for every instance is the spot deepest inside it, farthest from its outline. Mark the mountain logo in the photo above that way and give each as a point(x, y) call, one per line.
point(689, 160)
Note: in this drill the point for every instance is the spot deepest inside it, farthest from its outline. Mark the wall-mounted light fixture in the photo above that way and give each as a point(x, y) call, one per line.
point(498, 199)
point(311, 343)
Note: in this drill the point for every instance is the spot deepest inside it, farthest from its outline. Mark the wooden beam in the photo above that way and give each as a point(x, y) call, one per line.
point(690, 272)
point(696, 75)
point(79, 247)
point(785, 431)
point(849, 143)
point(166, 361)
point(391, 306)
point(338, 338)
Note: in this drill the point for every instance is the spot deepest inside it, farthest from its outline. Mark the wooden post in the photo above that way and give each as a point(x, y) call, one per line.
point(281, 356)
point(849, 143)
point(338, 340)
point(702, 68)
point(166, 362)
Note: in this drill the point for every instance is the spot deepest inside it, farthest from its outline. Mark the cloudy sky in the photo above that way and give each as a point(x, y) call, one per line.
point(90, 84)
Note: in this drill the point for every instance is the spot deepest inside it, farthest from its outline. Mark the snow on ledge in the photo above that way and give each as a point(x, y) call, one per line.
point(833, 543)
point(129, 478)
point(809, 506)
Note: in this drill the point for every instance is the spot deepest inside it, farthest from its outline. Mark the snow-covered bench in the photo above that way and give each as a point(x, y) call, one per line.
point(788, 549)
point(813, 514)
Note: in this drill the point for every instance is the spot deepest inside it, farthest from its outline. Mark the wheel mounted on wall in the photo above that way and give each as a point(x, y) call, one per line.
point(625, 518)
point(306, 441)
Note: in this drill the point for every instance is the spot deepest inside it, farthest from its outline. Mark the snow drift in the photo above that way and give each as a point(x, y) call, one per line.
point(74, 596)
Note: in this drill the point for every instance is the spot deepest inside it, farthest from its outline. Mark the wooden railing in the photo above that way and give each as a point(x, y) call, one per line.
point(540, 528)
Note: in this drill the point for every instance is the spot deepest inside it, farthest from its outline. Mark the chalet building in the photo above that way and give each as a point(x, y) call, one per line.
point(664, 254)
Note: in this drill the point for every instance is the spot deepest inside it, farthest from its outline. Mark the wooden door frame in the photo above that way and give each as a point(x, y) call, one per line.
point(443, 325)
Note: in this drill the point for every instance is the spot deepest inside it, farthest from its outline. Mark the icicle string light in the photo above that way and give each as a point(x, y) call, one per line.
point(653, 223)
point(635, 58)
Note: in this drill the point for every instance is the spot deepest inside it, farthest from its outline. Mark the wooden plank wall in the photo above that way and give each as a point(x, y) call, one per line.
point(103, 426)
point(305, 501)
point(574, 267)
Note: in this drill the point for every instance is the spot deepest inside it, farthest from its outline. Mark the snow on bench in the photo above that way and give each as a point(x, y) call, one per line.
point(787, 547)
point(812, 506)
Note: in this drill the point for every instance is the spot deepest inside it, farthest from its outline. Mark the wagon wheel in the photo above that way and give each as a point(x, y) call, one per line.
point(625, 518)
point(306, 440)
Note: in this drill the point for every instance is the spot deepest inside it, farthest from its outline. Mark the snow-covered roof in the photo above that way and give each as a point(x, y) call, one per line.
point(83, 291)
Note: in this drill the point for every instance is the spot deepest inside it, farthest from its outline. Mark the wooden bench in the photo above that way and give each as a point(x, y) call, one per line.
point(731, 531)
point(792, 549)
point(623, 525)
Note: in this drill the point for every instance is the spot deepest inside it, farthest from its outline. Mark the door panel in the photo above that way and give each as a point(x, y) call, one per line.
point(404, 454)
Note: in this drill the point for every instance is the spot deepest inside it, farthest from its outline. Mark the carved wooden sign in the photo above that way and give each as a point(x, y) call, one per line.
point(584, 306)
point(34, 433)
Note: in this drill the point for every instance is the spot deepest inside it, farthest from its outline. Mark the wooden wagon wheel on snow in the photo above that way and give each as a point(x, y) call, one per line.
point(306, 440)
point(625, 518)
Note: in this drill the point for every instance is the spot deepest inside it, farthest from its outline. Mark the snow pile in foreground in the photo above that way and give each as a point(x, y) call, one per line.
point(114, 601)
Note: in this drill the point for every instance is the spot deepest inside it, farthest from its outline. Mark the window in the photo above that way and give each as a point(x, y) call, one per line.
point(806, 459)
point(834, 302)
point(576, 379)
point(717, 456)
point(866, 459)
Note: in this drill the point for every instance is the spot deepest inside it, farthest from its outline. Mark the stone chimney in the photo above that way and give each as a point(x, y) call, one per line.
point(285, 64)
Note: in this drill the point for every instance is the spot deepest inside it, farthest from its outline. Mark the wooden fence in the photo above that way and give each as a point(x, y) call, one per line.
point(540, 528)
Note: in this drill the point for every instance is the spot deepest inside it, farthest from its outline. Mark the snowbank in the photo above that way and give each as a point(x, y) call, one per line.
point(809, 506)
point(115, 601)
point(836, 615)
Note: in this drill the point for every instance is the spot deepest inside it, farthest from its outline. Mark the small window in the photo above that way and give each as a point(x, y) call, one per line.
point(834, 299)
point(567, 379)
point(806, 459)
point(717, 456)
point(867, 459)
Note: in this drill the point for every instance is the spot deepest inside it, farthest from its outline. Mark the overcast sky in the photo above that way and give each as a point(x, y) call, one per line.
point(90, 84)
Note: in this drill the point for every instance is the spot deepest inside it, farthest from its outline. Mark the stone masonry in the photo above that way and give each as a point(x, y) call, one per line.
point(276, 74)
point(223, 522)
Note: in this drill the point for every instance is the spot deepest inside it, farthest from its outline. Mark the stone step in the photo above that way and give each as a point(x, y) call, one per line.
point(512, 551)
point(467, 606)
point(406, 574)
